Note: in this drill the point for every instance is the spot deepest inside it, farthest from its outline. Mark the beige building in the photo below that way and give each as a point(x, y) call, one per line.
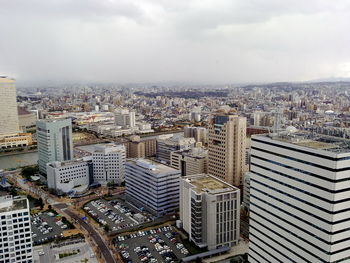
point(16, 140)
point(210, 211)
point(140, 148)
point(200, 134)
point(27, 119)
point(192, 161)
point(227, 147)
point(8, 107)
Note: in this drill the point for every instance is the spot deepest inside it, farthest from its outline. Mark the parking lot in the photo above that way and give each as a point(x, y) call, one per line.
point(46, 227)
point(151, 246)
point(116, 214)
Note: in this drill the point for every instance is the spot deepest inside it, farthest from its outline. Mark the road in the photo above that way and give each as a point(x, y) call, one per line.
point(98, 240)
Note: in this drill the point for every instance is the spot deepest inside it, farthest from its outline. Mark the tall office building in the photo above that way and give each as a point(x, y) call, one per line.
point(55, 141)
point(109, 163)
point(153, 185)
point(125, 118)
point(209, 211)
point(200, 134)
point(299, 198)
point(227, 148)
point(15, 235)
point(8, 107)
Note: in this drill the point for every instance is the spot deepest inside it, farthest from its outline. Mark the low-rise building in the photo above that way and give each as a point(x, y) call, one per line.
point(210, 211)
point(15, 140)
point(69, 176)
point(153, 185)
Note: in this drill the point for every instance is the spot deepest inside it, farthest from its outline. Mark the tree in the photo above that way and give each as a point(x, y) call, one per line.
point(107, 228)
point(50, 207)
point(29, 171)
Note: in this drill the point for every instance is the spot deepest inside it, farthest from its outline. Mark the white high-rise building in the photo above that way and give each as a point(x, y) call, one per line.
point(153, 185)
point(125, 118)
point(109, 163)
point(299, 198)
point(55, 142)
point(9, 123)
point(15, 235)
point(209, 211)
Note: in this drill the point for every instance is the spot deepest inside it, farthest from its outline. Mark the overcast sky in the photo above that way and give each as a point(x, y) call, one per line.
point(217, 41)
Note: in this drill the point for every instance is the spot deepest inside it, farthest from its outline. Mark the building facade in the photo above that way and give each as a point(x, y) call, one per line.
point(169, 143)
point(227, 148)
point(16, 140)
point(66, 176)
point(15, 236)
point(8, 107)
point(55, 141)
point(192, 161)
point(153, 185)
point(299, 199)
point(209, 211)
point(125, 118)
point(109, 163)
point(200, 134)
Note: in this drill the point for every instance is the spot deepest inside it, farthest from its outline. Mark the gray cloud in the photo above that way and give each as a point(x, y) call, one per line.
point(186, 40)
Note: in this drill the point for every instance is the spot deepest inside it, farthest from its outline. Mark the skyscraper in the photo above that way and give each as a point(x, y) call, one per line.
point(55, 141)
point(8, 107)
point(227, 147)
point(16, 236)
point(299, 199)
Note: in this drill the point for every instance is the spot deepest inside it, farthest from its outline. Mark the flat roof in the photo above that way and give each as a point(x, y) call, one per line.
point(208, 183)
point(153, 166)
point(9, 203)
point(312, 140)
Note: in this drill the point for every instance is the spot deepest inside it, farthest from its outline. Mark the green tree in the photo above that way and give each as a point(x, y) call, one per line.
point(29, 171)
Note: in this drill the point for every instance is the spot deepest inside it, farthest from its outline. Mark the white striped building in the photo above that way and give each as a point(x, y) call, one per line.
point(299, 199)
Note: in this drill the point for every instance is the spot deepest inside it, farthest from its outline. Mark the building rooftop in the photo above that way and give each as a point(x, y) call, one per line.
point(208, 183)
point(312, 140)
point(197, 152)
point(9, 203)
point(153, 166)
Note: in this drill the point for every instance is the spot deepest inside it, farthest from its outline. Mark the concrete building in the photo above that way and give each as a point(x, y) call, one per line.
point(192, 161)
point(55, 141)
point(27, 119)
point(16, 140)
point(299, 198)
point(200, 134)
point(109, 163)
point(70, 176)
point(169, 143)
point(16, 235)
point(140, 148)
point(227, 148)
point(8, 107)
point(125, 118)
point(209, 211)
point(153, 185)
